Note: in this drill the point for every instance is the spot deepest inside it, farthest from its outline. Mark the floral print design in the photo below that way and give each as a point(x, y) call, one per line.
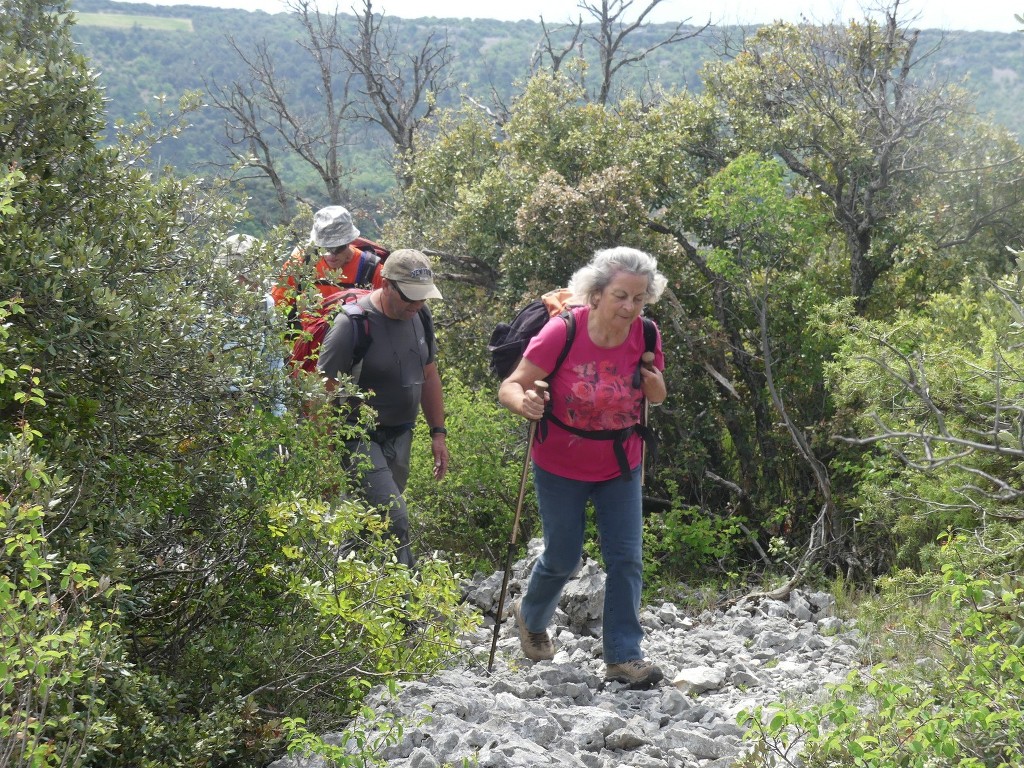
point(601, 397)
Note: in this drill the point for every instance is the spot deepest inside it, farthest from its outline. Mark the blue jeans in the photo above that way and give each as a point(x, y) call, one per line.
point(562, 503)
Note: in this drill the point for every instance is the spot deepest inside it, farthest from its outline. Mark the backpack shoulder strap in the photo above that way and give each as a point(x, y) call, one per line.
point(360, 324)
point(650, 344)
point(570, 336)
point(361, 338)
point(428, 326)
point(368, 261)
point(650, 334)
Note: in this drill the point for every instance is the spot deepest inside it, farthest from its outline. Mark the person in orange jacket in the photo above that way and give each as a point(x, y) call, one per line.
point(341, 264)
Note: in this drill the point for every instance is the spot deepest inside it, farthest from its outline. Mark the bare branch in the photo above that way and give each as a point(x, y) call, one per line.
point(548, 48)
point(401, 88)
point(499, 117)
point(262, 123)
point(927, 439)
point(612, 31)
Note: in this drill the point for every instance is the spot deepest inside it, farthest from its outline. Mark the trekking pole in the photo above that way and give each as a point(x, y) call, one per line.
point(647, 361)
point(539, 386)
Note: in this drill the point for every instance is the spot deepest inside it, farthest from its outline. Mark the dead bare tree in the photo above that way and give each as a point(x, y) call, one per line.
point(551, 49)
point(613, 29)
point(264, 122)
point(246, 141)
point(361, 76)
point(401, 87)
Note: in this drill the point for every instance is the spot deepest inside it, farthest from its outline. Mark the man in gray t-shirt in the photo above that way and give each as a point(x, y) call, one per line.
point(400, 373)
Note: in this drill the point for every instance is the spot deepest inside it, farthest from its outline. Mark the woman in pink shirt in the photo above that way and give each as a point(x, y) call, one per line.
point(590, 449)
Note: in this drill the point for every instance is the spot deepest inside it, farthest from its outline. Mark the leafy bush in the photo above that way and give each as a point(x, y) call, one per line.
point(60, 638)
point(933, 395)
point(960, 703)
point(221, 530)
point(469, 514)
point(685, 540)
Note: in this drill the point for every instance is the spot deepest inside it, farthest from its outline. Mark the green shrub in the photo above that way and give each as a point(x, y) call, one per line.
point(685, 540)
point(224, 525)
point(60, 636)
point(933, 393)
point(469, 514)
point(959, 703)
point(60, 644)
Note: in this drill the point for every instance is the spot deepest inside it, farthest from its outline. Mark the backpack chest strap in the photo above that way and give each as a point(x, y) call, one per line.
point(619, 436)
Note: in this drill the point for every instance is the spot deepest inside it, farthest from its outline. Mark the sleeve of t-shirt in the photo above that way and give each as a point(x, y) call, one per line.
point(336, 349)
point(544, 348)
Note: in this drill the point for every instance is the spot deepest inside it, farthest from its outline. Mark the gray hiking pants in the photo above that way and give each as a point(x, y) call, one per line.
point(384, 482)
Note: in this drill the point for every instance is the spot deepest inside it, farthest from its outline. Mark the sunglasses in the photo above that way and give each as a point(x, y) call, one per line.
point(401, 295)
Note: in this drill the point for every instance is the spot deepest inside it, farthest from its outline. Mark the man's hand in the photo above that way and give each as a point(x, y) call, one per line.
point(439, 447)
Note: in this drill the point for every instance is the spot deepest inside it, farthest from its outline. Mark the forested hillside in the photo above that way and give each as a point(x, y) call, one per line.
point(141, 57)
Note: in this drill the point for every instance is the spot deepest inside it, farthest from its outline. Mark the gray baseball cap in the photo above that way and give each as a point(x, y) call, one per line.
point(332, 227)
point(411, 270)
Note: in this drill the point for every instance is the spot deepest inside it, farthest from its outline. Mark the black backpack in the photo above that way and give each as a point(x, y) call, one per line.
point(509, 340)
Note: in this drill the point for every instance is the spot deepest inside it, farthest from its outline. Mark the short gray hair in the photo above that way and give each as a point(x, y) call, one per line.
point(595, 276)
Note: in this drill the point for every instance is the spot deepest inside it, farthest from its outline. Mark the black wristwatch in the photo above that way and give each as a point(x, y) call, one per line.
point(438, 431)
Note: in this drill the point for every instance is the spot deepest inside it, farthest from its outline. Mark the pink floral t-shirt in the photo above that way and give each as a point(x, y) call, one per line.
point(592, 390)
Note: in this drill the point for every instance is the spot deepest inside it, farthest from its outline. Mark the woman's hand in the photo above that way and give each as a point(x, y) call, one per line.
point(652, 382)
point(524, 392)
point(534, 400)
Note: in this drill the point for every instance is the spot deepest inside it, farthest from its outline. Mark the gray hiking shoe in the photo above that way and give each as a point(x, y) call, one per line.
point(536, 645)
point(636, 673)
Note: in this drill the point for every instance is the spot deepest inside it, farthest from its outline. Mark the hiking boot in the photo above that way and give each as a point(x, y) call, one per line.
point(636, 673)
point(536, 645)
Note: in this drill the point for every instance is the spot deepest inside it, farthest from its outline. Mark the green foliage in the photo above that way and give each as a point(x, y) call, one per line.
point(60, 639)
point(358, 746)
point(808, 95)
point(469, 514)
point(933, 392)
point(605, 171)
point(961, 707)
point(246, 585)
point(142, 61)
point(256, 587)
point(768, 197)
point(684, 540)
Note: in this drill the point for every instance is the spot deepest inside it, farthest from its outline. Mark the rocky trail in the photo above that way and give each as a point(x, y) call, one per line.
point(560, 712)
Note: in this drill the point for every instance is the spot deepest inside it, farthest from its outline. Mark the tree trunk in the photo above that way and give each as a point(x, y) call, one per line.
point(862, 272)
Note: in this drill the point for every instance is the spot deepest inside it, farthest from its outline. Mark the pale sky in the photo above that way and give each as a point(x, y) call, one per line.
point(989, 15)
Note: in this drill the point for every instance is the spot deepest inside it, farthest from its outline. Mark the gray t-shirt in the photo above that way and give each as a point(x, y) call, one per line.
point(392, 370)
